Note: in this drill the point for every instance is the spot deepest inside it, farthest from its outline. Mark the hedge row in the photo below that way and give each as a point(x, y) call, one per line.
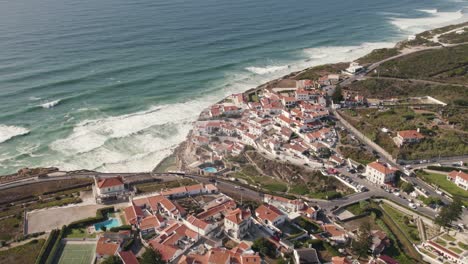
point(119, 228)
point(446, 169)
point(57, 245)
point(46, 248)
point(101, 215)
point(68, 188)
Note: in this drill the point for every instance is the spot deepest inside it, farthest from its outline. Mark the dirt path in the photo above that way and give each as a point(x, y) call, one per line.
point(16, 244)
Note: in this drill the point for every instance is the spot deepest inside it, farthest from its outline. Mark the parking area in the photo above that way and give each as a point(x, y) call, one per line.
point(52, 218)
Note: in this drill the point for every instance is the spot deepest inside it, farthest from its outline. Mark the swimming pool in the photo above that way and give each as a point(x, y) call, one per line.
point(109, 223)
point(210, 169)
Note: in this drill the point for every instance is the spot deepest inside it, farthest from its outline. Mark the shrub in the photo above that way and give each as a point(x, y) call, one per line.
point(56, 246)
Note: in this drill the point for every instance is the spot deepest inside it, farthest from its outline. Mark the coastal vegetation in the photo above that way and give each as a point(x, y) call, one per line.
point(318, 71)
point(438, 141)
point(281, 177)
point(448, 65)
point(26, 253)
point(454, 37)
point(378, 55)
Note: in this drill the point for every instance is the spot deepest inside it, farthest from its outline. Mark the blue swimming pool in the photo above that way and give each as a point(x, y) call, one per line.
point(210, 169)
point(109, 223)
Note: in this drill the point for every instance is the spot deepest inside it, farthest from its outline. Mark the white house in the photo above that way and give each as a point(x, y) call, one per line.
point(237, 223)
point(408, 137)
point(270, 216)
point(353, 68)
point(460, 178)
point(284, 204)
point(200, 226)
point(109, 189)
point(380, 173)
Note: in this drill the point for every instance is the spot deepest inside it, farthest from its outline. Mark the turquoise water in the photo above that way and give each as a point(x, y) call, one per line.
point(114, 85)
point(210, 169)
point(109, 223)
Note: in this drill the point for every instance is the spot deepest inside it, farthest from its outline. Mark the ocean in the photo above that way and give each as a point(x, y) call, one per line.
point(114, 85)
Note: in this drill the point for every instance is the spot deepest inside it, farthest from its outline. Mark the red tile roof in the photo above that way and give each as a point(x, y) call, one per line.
point(442, 249)
point(128, 257)
point(332, 230)
point(106, 247)
point(454, 174)
point(150, 222)
point(237, 216)
point(340, 260)
point(110, 182)
point(132, 213)
point(268, 212)
point(410, 134)
point(382, 168)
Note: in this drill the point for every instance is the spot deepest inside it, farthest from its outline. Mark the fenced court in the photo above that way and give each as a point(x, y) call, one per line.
point(76, 253)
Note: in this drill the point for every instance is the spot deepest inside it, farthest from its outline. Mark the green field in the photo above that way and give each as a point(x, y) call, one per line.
point(446, 185)
point(77, 253)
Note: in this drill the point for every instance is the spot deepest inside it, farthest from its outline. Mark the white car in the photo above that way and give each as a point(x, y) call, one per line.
point(396, 193)
point(412, 205)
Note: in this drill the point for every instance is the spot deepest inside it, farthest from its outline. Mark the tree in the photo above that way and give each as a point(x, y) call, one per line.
point(264, 247)
point(363, 240)
point(337, 95)
point(104, 228)
point(152, 256)
point(407, 187)
point(450, 213)
point(112, 260)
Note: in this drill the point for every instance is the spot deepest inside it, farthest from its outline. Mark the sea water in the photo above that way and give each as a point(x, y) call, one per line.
point(114, 85)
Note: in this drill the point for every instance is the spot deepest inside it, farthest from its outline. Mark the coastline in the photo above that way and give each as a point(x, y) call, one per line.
point(168, 147)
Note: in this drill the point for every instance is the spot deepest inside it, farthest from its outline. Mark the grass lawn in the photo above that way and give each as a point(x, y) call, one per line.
point(427, 253)
point(463, 245)
point(26, 253)
point(76, 253)
point(448, 186)
point(252, 176)
point(441, 242)
point(79, 233)
point(448, 237)
point(456, 250)
point(355, 209)
point(299, 189)
point(403, 222)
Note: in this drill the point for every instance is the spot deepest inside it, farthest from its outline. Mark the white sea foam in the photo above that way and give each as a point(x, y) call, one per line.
point(121, 142)
point(429, 11)
point(34, 98)
point(267, 69)
point(50, 104)
point(138, 141)
point(435, 19)
point(9, 132)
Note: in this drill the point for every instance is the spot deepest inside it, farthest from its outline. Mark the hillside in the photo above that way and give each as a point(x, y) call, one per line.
point(449, 65)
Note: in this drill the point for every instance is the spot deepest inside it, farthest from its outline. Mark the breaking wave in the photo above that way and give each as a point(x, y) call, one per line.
point(9, 132)
point(50, 104)
point(436, 19)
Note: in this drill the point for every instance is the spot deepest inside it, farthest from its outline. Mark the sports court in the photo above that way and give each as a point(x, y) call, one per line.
point(77, 253)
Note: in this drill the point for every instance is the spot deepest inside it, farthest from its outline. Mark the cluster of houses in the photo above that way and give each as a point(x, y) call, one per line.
point(164, 225)
point(286, 120)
